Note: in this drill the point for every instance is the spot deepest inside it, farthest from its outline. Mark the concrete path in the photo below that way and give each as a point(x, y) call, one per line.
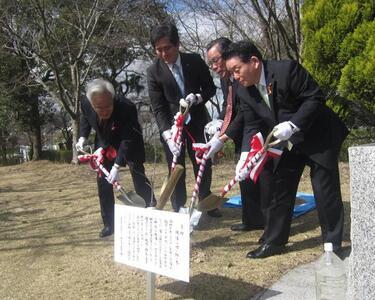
point(298, 283)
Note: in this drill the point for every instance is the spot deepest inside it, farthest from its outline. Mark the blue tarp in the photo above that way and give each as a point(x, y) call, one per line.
point(299, 209)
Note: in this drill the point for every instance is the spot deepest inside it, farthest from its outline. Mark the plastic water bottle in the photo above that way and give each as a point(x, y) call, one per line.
point(330, 276)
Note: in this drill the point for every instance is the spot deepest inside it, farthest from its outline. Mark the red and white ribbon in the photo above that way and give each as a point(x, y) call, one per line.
point(201, 158)
point(96, 161)
point(177, 136)
point(255, 161)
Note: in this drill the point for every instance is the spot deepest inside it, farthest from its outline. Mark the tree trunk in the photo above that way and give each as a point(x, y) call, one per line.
point(35, 123)
point(75, 127)
point(36, 144)
point(3, 146)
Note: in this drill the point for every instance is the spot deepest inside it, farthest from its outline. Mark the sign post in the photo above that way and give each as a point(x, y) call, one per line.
point(153, 240)
point(150, 283)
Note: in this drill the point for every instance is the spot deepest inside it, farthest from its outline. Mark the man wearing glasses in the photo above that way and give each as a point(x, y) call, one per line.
point(254, 202)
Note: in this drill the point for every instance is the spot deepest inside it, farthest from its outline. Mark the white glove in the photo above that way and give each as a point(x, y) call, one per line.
point(174, 131)
point(212, 127)
point(215, 144)
point(173, 147)
point(113, 175)
point(167, 136)
point(241, 171)
point(284, 130)
point(184, 103)
point(241, 161)
point(79, 145)
point(242, 174)
point(191, 99)
point(99, 156)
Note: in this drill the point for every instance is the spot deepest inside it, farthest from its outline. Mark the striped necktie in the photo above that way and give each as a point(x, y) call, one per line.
point(179, 79)
point(228, 109)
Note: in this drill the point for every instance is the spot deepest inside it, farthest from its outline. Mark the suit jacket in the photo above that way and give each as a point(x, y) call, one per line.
point(235, 128)
point(294, 96)
point(122, 130)
point(165, 94)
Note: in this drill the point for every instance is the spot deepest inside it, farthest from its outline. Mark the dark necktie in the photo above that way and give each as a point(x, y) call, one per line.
point(229, 108)
point(102, 124)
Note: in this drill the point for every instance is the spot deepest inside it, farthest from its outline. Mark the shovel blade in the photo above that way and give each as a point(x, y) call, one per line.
point(132, 198)
point(169, 186)
point(211, 202)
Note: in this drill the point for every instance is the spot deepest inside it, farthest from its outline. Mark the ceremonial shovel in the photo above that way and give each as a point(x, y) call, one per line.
point(212, 201)
point(130, 198)
point(176, 170)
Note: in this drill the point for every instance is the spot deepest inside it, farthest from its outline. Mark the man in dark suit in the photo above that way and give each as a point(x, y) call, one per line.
point(115, 122)
point(253, 205)
point(282, 96)
point(172, 76)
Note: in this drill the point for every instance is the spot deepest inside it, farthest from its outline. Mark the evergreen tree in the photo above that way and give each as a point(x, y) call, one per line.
point(339, 51)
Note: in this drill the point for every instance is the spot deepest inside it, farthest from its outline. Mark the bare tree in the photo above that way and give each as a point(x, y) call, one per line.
point(65, 43)
point(273, 25)
point(55, 39)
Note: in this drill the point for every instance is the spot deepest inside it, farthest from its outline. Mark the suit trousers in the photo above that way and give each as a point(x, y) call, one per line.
point(326, 187)
point(179, 195)
point(255, 198)
point(106, 195)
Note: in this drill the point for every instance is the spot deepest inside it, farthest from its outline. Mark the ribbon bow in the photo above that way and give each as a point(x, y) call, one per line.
point(258, 156)
point(200, 149)
point(177, 126)
point(97, 158)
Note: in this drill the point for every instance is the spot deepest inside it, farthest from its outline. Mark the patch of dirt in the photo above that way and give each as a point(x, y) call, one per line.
point(50, 248)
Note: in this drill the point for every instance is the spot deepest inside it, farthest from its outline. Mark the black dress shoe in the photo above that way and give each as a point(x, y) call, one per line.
point(106, 231)
point(244, 227)
point(261, 240)
point(265, 250)
point(214, 213)
point(240, 227)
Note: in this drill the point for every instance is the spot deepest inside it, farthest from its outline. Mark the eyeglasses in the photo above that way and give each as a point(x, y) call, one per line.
point(214, 61)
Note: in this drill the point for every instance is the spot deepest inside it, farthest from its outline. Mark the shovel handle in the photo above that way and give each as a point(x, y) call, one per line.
point(184, 111)
point(194, 197)
point(178, 142)
point(266, 146)
point(115, 183)
point(106, 173)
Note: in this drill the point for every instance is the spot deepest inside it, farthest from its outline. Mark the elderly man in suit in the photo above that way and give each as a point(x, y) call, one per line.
point(254, 202)
point(172, 76)
point(115, 122)
point(282, 96)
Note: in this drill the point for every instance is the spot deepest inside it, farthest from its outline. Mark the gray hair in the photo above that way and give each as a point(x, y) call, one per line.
point(98, 86)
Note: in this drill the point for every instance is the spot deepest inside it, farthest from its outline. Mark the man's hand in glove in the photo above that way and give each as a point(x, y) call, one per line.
point(285, 130)
point(214, 145)
point(241, 170)
point(79, 145)
point(241, 162)
point(113, 175)
point(191, 99)
point(99, 156)
point(212, 127)
point(167, 136)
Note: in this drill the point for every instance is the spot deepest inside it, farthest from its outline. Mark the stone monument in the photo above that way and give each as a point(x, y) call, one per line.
point(361, 279)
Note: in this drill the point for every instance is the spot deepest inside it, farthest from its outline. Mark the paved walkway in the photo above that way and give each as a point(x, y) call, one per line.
point(297, 284)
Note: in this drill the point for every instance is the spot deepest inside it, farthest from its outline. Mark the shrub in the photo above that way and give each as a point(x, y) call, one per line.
point(62, 156)
point(357, 136)
point(226, 154)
